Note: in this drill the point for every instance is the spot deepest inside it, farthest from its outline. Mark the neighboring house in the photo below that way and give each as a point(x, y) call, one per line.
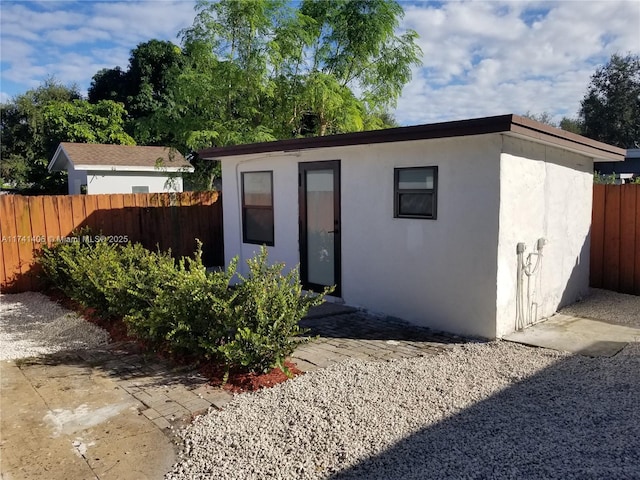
point(628, 169)
point(97, 168)
point(442, 225)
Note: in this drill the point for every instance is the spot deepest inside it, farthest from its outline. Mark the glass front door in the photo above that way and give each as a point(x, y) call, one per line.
point(320, 224)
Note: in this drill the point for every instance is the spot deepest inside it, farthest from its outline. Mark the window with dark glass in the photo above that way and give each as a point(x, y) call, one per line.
point(415, 191)
point(257, 207)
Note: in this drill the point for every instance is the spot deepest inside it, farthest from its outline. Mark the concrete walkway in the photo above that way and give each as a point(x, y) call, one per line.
point(112, 412)
point(583, 336)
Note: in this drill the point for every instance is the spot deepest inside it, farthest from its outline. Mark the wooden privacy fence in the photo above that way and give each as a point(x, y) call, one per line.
point(165, 220)
point(615, 238)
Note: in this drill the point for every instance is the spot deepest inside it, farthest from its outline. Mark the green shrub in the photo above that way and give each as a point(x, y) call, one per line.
point(253, 325)
point(80, 268)
point(187, 309)
point(115, 280)
point(266, 308)
point(135, 281)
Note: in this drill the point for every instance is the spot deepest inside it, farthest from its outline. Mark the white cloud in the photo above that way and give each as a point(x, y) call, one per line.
point(486, 58)
point(480, 57)
point(73, 40)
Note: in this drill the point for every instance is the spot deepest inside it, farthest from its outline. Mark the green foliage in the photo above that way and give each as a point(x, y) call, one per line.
point(267, 306)
point(115, 280)
point(600, 178)
point(572, 125)
point(24, 141)
point(84, 122)
point(544, 117)
point(610, 110)
point(187, 308)
point(33, 124)
point(253, 325)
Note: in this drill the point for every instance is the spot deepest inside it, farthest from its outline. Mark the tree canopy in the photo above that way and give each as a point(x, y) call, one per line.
point(324, 67)
point(34, 123)
point(610, 110)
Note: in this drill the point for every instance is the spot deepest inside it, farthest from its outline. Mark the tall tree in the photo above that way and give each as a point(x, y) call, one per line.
point(143, 88)
point(294, 71)
point(610, 110)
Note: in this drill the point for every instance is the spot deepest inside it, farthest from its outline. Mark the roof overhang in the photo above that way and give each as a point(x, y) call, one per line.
point(60, 161)
point(512, 125)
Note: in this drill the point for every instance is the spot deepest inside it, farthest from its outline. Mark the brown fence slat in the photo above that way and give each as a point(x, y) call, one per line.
point(102, 218)
point(39, 232)
point(51, 218)
point(129, 218)
point(3, 239)
point(10, 253)
point(65, 212)
point(615, 238)
point(611, 273)
point(25, 238)
point(78, 213)
point(636, 281)
point(118, 222)
point(628, 243)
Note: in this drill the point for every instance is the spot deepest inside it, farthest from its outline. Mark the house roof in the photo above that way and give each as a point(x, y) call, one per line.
point(94, 156)
point(513, 125)
point(630, 166)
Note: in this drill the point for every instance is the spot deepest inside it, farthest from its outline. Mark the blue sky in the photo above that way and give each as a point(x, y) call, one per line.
point(480, 58)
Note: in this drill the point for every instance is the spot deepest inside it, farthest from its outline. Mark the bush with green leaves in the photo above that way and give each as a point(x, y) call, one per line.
point(80, 269)
point(187, 310)
point(253, 325)
point(115, 280)
point(266, 308)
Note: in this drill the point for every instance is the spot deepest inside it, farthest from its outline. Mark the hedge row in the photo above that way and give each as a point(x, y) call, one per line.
point(249, 322)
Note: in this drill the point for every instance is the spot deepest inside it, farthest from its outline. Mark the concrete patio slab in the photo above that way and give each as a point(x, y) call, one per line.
point(76, 425)
point(583, 336)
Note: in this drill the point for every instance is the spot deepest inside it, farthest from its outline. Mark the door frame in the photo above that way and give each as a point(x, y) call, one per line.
point(304, 167)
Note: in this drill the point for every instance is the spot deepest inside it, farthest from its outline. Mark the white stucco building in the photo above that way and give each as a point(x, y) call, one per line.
point(477, 227)
point(97, 168)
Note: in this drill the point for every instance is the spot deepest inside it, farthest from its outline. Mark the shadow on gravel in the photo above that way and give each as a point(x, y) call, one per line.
point(579, 418)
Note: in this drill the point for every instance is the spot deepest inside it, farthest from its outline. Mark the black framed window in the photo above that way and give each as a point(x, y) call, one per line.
point(257, 207)
point(415, 192)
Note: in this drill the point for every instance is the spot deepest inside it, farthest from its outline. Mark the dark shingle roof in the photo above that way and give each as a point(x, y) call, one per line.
point(122, 155)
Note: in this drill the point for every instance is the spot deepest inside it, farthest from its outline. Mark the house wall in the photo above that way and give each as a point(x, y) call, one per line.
point(76, 178)
point(545, 193)
point(121, 182)
point(438, 273)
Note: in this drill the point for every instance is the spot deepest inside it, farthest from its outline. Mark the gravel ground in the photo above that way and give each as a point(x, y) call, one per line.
point(485, 410)
point(608, 306)
point(31, 325)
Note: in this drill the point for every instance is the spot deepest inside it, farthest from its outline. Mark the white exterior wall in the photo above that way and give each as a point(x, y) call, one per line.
point(545, 193)
point(121, 182)
point(438, 273)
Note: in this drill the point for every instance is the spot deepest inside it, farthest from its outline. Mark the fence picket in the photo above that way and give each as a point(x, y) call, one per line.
point(615, 238)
